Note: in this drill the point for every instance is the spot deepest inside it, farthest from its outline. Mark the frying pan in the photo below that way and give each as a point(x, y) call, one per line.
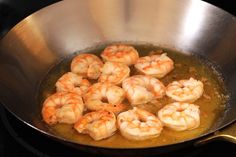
point(46, 37)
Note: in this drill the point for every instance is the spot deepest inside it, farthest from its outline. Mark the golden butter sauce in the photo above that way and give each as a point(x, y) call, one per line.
point(186, 66)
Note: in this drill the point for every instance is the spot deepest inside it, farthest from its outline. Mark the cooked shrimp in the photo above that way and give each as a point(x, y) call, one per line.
point(98, 124)
point(139, 124)
point(114, 72)
point(142, 89)
point(100, 92)
point(72, 82)
point(185, 90)
point(87, 65)
point(180, 116)
point(62, 107)
point(155, 65)
point(120, 53)
point(85, 84)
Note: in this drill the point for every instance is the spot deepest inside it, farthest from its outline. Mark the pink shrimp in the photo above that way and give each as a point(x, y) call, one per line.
point(87, 65)
point(120, 53)
point(62, 107)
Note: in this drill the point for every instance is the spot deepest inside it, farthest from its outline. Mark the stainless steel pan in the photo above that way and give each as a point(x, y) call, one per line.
point(44, 38)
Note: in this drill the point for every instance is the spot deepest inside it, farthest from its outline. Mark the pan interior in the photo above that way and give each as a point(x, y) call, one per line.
point(212, 103)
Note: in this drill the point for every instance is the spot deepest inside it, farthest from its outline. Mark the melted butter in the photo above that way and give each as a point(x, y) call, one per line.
point(186, 66)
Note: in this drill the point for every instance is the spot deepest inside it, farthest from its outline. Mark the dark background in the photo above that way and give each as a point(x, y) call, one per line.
point(16, 139)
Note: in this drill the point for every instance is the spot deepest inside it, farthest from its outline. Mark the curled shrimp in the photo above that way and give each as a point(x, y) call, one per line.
point(62, 107)
point(185, 90)
point(139, 124)
point(142, 89)
point(155, 65)
point(98, 124)
point(105, 96)
point(87, 65)
point(71, 82)
point(180, 116)
point(120, 53)
point(114, 72)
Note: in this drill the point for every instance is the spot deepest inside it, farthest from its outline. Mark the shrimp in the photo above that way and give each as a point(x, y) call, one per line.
point(120, 53)
point(142, 89)
point(72, 82)
point(139, 124)
point(114, 72)
point(98, 124)
point(155, 65)
point(180, 116)
point(62, 107)
point(105, 96)
point(87, 65)
point(185, 90)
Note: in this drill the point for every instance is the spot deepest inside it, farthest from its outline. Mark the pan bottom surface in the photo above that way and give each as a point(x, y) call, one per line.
point(17, 138)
